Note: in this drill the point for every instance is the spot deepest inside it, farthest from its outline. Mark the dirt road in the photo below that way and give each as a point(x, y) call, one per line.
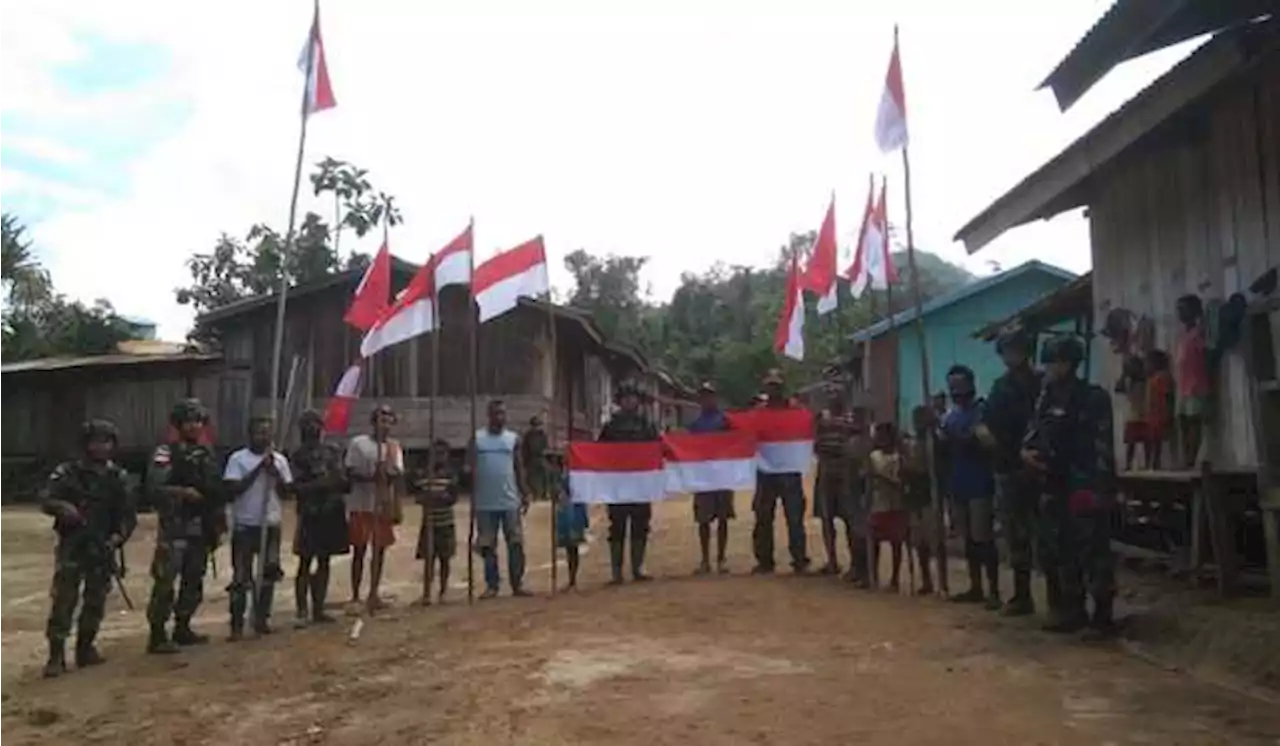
point(720, 660)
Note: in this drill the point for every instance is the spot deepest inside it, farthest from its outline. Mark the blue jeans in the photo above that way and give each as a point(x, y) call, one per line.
point(488, 522)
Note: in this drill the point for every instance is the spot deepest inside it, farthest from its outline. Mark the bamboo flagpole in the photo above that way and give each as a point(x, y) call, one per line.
point(313, 57)
point(551, 432)
point(472, 355)
point(427, 518)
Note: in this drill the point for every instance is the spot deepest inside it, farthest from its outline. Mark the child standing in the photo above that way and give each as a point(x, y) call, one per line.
point(1160, 404)
point(571, 517)
point(888, 511)
point(1133, 386)
point(437, 493)
point(918, 497)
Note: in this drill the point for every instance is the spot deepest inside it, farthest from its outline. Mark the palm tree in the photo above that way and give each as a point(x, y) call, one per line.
point(26, 281)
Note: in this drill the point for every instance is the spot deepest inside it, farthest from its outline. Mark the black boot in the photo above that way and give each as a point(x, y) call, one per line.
point(1102, 626)
point(974, 594)
point(184, 636)
point(87, 654)
point(638, 545)
point(1021, 604)
point(158, 643)
point(991, 563)
point(615, 562)
point(319, 592)
point(57, 663)
point(1070, 616)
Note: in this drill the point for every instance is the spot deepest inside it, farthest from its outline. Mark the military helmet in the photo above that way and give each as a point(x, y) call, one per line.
point(91, 429)
point(627, 387)
point(1063, 349)
point(188, 410)
point(1015, 339)
point(311, 417)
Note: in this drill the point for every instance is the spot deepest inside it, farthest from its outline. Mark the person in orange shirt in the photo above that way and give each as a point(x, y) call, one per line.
point(1159, 405)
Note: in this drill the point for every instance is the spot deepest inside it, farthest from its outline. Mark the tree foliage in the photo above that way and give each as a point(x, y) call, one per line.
point(238, 268)
point(719, 324)
point(38, 321)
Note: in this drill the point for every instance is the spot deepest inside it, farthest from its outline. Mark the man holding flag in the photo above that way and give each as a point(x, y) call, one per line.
point(716, 506)
point(628, 425)
point(775, 486)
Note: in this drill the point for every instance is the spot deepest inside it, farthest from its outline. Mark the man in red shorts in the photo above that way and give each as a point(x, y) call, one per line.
point(375, 469)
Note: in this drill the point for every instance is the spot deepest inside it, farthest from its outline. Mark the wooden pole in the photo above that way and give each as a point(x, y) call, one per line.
point(930, 444)
point(427, 518)
point(277, 346)
point(551, 432)
point(472, 356)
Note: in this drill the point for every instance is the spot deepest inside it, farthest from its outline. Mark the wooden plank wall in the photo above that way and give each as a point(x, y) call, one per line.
point(1189, 214)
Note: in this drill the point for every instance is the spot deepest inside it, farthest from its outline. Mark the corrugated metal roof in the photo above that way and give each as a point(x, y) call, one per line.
point(1051, 308)
point(955, 296)
point(1059, 185)
point(1132, 28)
point(48, 364)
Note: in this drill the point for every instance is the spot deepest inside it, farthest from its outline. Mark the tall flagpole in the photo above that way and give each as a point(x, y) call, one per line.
point(277, 346)
point(551, 433)
point(438, 323)
point(473, 353)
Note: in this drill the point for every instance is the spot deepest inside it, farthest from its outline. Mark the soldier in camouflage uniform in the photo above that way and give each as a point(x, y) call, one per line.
point(1010, 406)
point(628, 425)
point(185, 485)
point(319, 480)
point(1069, 444)
point(93, 517)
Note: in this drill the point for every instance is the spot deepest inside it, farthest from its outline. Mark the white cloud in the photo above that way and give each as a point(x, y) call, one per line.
point(691, 138)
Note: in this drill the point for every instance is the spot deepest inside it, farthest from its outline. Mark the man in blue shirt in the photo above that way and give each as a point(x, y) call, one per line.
point(971, 486)
point(712, 506)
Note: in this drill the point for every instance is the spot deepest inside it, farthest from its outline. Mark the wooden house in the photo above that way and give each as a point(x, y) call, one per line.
point(1182, 191)
point(891, 361)
point(513, 351)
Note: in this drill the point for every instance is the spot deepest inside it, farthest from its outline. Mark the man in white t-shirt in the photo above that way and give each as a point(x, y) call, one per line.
point(375, 469)
point(256, 477)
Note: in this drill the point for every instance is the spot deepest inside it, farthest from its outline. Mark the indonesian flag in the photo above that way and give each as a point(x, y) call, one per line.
point(319, 93)
point(616, 472)
point(820, 276)
point(788, 339)
point(413, 312)
point(371, 298)
point(872, 265)
point(519, 273)
point(706, 462)
point(337, 414)
point(891, 119)
point(784, 437)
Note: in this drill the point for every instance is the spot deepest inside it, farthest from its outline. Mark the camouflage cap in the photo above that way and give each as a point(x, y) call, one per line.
point(92, 429)
point(311, 417)
point(188, 410)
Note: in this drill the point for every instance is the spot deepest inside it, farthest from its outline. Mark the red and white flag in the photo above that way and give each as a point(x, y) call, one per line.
point(784, 437)
point(319, 93)
point(820, 275)
point(788, 339)
point(337, 413)
point(872, 265)
point(706, 462)
point(616, 472)
point(891, 119)
point(413, 312)
point(373, 294)
point(502, 281)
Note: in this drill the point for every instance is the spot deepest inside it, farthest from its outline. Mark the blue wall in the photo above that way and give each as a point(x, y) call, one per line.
point(949, 336)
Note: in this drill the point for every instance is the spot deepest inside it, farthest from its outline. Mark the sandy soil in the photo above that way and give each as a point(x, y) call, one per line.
point(720, 660)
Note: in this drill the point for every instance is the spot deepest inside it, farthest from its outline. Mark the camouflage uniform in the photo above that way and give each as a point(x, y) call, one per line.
point(1010, 407)
point(628, 427)
point(838, 488)
point(318, 482)
point(533, 454)
point(188, 531)
point(789, 489)
point(1072, 431)
point(84, 555)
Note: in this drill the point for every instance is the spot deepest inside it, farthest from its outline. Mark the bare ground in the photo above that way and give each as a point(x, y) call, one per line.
point(720, 660)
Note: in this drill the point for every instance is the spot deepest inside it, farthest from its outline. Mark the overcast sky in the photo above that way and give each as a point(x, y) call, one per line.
point(134, 132)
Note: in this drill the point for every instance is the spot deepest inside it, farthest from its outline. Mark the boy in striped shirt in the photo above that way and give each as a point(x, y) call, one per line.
point(436, 487)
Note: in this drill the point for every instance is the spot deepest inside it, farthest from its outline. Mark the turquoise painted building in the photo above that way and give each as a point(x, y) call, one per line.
point(950, 320)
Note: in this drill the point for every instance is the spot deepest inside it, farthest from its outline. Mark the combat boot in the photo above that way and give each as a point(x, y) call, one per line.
point(184, 636)
point(974, 595)
point(637, 559)
point(87, 654)
point(1102, 626)
point(159, 643)
point(615, 562)
point(1021, 604)
point(57, 663)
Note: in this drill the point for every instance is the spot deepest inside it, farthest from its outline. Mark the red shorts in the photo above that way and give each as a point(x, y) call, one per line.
point(1137, 432)
point(363, 526)
point(889, 525)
